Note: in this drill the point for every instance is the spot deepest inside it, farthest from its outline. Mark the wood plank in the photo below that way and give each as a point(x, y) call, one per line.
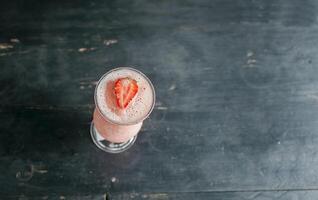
point(50, 150)
point(211, 46)
point(260, 195)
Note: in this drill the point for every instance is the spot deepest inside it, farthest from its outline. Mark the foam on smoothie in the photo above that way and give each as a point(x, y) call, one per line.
point(139, 106)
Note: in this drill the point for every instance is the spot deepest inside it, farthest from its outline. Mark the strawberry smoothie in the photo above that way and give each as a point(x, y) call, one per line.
point(112, 132)
point(124, 97)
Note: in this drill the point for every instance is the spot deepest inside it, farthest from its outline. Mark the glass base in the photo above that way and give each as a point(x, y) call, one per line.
point(107, 146)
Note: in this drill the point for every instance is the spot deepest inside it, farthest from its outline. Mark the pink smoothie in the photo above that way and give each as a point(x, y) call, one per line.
point(120, 125)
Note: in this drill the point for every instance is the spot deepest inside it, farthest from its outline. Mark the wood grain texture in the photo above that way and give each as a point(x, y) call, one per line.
point(264, 195)
point(260, 195)
point(236, 84)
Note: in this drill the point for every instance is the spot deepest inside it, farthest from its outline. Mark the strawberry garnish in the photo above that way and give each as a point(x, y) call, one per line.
point(125, 90)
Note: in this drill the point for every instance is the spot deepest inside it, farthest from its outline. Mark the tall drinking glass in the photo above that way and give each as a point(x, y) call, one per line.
point(124, 98)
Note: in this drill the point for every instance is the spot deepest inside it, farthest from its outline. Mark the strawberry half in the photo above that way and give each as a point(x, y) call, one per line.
point(125, 90)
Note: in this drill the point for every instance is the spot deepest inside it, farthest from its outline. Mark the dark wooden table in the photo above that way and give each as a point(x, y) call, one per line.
point(237, 99)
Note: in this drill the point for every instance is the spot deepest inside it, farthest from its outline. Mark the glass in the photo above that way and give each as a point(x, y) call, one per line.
point(114, 130)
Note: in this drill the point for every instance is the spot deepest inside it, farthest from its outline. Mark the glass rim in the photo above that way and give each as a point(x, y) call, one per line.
point(116, 122)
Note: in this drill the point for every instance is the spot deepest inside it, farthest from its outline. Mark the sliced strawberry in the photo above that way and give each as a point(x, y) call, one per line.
point(125, 90)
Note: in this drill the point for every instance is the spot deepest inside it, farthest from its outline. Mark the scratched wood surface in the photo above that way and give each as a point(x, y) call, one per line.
point(264, 195)
point(257, 195)
point(237, 98)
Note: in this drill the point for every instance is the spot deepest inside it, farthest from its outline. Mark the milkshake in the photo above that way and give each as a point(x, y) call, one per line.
point(124, 97)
